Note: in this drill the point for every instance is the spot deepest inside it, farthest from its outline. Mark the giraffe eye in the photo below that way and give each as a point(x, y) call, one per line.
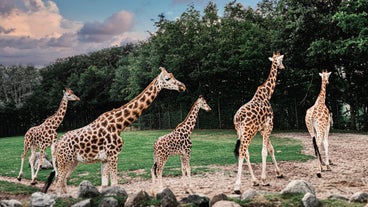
point(167, 79)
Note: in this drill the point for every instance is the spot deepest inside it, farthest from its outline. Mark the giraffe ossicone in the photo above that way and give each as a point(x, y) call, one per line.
point(44, 135)
point(100, 140)
point(318, 121)
point(257, 116)
point(177, 142)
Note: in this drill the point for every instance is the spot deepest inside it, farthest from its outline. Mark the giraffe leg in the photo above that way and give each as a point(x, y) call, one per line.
point(104, 174)
point(32, 160)
point(53, 157)
point(25, 150)
point(113, 171)
point(325, 144)
point(39, 164)
point(185, 167)
point(317, 145)
point(268, 146)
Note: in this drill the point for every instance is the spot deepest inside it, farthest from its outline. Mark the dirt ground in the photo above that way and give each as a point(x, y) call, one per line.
point(349, 174)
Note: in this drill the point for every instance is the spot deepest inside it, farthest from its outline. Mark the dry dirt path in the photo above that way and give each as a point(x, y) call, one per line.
point(349, 173)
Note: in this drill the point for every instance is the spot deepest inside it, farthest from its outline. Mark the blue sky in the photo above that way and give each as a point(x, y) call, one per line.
point(37, 32)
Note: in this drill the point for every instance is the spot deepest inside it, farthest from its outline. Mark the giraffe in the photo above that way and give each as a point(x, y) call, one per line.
point(254, 116)
point(177, 143)
point(100, 140)
point(318, 120)
point(44, 135)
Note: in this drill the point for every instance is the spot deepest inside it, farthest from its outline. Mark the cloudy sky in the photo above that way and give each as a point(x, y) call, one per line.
point(37, 32)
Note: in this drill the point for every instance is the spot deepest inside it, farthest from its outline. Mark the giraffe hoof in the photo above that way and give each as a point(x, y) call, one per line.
point(19, 178)
point(280, 176)
point(319, 175)
point(34, 182)
point(237, 192)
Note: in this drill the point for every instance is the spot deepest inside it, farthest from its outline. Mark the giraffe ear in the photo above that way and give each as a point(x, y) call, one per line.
point(163, 69)
point(270, 58)
point(320, 74)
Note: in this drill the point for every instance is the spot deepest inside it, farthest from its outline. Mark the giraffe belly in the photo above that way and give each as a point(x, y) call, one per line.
point(100, 156)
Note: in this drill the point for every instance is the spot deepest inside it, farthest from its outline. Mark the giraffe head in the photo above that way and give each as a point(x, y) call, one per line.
point(276, 60)
point(203, 104)
point(70, 96)
point(325, 75)
point(168, 81)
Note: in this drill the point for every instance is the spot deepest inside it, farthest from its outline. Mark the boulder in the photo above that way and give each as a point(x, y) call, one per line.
point(84, 203)
point(46, 163)
point(197, 200)
point(140, 199)
point(219, 197)
point(114, 191)
point(39, 199)
point(298, 186)
point(87, 190)
point(359, 197)
point(226, 204)
point(248, 195)
point(310, 200)
point(108, 202)
point(10, 203)
point(167, 198)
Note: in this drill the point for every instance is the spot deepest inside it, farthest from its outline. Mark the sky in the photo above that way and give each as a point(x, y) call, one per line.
point(37, 32)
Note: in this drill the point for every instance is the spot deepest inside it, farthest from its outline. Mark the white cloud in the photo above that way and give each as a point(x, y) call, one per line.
point(35, 32)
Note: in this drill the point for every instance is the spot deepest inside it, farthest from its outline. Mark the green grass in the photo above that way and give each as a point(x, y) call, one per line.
point(210, 147)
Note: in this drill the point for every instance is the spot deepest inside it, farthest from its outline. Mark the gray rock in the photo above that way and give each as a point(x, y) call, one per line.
point(108, 202)
point(360, 197)
point(140, 199)
point(87, 190)
point(248, 195)
point(46, 163)
point(10, 203)
point(114, 191)
point(310, 200)
point(167, 198)
point(84, 203)
point(217, 198)
point(197, 200)
point(39, 199)
point(226, 204)
point(298, 186)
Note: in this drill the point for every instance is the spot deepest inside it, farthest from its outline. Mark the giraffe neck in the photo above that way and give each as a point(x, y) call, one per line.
point(322, 94)
point(266, 90)
point(191, 119)
point(55, 120)
point(118, 119)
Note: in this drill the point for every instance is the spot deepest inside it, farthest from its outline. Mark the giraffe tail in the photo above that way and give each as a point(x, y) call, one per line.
point(236, 150)
point(316, 150)
point(48, 182)
point(154, 168)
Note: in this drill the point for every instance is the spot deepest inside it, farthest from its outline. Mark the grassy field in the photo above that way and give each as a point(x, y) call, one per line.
point(210, 147)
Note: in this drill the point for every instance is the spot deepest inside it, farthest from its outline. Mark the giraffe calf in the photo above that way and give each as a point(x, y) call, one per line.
point(177, 143)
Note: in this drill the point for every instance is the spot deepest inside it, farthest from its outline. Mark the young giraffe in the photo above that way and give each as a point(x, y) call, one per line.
point(177, 143)
point(44, 135)
point(254, 116)
point(100, 140)
point(318, 121)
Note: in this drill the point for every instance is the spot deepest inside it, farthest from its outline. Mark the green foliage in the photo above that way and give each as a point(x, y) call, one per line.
point(16, 189)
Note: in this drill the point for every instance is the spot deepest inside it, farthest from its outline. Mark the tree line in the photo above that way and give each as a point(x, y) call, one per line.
point(223, 57)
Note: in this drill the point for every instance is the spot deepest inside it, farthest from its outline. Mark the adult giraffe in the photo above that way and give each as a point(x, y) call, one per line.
point(100, 140)
point(318, 121)
point(257, 116)
point(44, 135)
